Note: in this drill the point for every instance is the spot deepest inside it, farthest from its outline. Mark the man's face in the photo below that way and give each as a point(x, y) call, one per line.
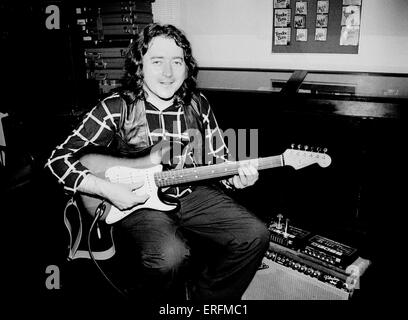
point(164, 69)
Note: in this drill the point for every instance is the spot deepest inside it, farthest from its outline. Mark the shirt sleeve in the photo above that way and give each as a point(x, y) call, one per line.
point(97, 129)
point(215, 146)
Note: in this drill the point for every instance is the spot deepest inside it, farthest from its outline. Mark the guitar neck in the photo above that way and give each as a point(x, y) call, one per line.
point(181, 176)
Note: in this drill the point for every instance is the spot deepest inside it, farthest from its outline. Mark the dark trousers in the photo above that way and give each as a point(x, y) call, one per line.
point(209, 226)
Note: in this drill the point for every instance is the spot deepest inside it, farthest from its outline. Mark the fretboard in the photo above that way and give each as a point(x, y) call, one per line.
point(182, 176)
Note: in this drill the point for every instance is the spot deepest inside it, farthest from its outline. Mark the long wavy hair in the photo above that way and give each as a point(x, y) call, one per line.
point(133, 78)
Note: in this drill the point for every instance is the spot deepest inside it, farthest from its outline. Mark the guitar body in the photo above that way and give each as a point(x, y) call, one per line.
point(126, 171)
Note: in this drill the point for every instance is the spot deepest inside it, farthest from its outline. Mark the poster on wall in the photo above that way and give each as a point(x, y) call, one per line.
point(350, 23)
point(316, 26)
point(321, 34)
point(282, 17)
point(301, 7)
point(350, 16)
point(301, 35)
point(282, 22)
point(282, 36)
point(349, 36)
point(352, 2)
point(300, 21)
point(322, 21)
point(281, 4)
point(323, 6)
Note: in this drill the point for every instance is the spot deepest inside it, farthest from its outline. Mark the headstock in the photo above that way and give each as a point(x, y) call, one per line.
point(298, 158)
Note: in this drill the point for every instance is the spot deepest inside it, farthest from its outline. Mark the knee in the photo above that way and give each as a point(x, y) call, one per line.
point(170, 257)
point(259, 234)
point(265, 236)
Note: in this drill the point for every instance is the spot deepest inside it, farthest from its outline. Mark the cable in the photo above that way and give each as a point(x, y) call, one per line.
point(100, 210)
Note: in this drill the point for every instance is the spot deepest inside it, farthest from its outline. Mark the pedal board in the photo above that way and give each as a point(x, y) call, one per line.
point(290, 237)
point(312, 246)
point(329, 251)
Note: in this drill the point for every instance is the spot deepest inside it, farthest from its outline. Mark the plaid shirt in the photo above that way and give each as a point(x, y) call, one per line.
point(101, 124)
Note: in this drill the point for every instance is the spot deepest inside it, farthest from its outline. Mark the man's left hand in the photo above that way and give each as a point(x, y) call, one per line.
point(247, 176)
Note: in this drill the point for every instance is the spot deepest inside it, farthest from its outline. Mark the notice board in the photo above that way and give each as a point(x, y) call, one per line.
point(316, 26)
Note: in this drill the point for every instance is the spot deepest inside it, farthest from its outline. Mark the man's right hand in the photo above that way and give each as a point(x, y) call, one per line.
point(120, 195)
point(123, 196)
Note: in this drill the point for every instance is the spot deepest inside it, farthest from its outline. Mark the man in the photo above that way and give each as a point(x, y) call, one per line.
point(159, 102)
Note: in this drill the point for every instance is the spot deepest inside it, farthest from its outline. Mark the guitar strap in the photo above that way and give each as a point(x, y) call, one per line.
point(74, 251)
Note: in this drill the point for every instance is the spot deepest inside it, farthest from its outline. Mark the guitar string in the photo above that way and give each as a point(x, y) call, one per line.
point(172, 177)
point(196, 173)
point(166, 178)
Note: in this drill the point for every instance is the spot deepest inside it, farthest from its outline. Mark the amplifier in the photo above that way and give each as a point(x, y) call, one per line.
point(122, 6)
point(108, 63)
point(303, 266)
point(129, 18)
point(279, 282)
point(101, 53)
point(105, 74)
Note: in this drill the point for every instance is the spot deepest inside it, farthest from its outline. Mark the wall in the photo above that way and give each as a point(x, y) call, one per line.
point(238, 33)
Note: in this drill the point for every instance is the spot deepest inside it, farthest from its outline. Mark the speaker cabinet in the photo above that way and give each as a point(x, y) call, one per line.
point(278, 282)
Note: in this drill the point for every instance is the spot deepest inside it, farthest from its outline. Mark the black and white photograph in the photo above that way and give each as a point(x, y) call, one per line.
point(323, 6)
point(301, 7)
point(301, 34)
point(189, 159)
point(349, 35)
point(300, 21)
point(350, 16)
point(282, 17)
point(321, 34)
point(322, 20)
point(282, 36)
point(281, 4)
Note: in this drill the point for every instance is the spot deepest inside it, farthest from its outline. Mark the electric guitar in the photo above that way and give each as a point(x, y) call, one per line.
point(125, 170)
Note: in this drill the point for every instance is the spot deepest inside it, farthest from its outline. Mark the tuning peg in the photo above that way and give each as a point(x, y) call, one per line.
point(318, 149)
point(306, 147)
point(299, 146)
point(292, 146)
point(325, 150)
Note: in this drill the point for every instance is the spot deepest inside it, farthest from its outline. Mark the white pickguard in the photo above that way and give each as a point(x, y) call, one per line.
point(120, 174)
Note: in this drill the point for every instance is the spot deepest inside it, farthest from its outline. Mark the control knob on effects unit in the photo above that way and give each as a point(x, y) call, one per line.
point(279, 223)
